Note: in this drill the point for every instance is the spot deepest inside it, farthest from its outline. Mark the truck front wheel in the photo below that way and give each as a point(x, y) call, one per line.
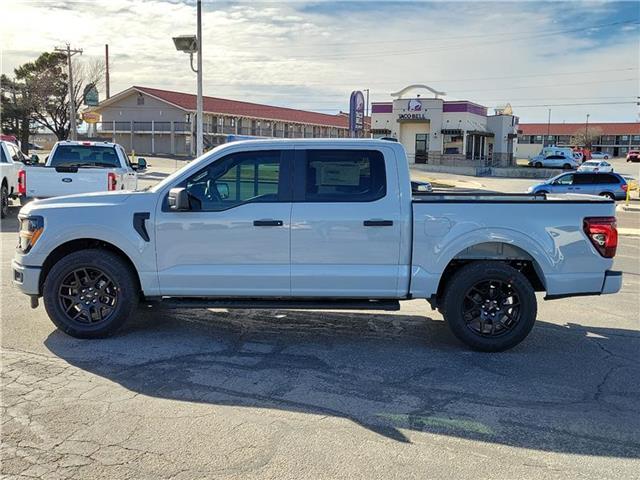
point(90, 293)
point(490, 306)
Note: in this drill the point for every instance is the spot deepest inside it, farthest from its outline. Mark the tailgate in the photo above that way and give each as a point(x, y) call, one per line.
point(44, 182)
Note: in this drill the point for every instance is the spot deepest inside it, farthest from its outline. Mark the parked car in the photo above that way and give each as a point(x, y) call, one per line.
point(596, 166)
point(599, 156)
point(555, 161)
point(11, 161)
point(241, 227)
point(633, 156)
point(418, 187)
point(80, 167)
point(610, 185)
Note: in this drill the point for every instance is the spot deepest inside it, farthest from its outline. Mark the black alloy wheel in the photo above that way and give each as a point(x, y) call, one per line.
point(491, 307)
point(88, 296)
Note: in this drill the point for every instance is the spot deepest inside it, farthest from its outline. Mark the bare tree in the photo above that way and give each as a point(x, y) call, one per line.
point(586, 137)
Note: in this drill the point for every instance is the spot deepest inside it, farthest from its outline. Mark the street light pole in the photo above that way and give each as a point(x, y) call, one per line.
point(199, 106)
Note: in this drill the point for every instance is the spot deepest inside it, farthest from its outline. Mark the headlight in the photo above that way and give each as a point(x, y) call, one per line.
point(31, 229)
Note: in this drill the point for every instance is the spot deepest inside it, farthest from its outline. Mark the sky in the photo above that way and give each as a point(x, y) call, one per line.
point(575, 58)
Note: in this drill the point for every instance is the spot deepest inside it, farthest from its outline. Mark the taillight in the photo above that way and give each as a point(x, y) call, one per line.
point(22, 182)
point(111, 181)
point(603, 234)
point(624, 187)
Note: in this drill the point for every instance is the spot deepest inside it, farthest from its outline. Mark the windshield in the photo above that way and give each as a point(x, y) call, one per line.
point(84, 156)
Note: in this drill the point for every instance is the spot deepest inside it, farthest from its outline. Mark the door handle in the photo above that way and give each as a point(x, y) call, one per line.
point(268, 223)
point(378, 223)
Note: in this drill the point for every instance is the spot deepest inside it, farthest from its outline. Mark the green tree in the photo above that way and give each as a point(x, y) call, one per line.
point(16, 110)
point(44, 90)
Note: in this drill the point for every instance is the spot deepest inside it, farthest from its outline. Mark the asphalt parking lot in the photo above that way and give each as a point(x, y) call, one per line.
point(280, 394)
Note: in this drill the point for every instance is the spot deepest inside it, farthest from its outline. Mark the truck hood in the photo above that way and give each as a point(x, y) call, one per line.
point(81, 200)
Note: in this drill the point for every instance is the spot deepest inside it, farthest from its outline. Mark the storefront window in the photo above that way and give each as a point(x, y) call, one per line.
point(452, 144)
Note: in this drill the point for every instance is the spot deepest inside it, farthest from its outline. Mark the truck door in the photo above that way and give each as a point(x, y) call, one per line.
point(345, 224)
point(234, 240)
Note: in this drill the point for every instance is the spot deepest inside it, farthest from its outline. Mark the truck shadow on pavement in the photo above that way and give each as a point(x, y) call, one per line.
point(565, 389)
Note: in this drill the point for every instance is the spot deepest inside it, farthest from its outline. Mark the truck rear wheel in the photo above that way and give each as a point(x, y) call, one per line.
point(90, 293)
point(490, 306)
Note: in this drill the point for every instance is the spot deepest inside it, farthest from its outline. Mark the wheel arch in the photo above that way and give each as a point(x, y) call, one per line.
point(84, 244)
point(497, 251)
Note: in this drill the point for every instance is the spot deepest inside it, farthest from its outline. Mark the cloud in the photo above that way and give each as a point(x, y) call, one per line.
point(311, 55)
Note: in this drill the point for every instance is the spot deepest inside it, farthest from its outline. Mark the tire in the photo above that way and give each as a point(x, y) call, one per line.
point(463, 295)
point(4, 200)
point(537, 165)
point(609, 195)
point(105, 280)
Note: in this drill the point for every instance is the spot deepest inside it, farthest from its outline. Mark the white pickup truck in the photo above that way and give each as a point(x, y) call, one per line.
point(293, 224)
point(11, 161)
point(80, 167)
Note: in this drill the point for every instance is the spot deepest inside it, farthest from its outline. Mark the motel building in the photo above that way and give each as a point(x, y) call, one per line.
point(156, 121)
point(441, 132)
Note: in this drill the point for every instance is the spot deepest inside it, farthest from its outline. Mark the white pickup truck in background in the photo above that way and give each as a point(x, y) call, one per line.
point(80, 167)
point(12, 160)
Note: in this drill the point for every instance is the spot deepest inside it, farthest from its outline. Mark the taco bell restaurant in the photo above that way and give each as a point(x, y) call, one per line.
point(442, 132)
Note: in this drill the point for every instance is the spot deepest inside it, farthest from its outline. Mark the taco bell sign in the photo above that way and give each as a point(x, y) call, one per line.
point(356, 112)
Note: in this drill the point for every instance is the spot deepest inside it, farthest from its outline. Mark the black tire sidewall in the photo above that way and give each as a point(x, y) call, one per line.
point(4, 200)
point(115, 268)
point(479, 271)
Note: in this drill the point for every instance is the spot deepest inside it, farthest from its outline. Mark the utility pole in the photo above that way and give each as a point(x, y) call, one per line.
point(70, 52)
point(586, 133)
point(366, 112)
point(106, 73)
point(548, 128)
point(199, 106)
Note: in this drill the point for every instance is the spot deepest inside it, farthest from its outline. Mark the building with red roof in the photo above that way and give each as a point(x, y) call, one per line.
point(152, 120)
point(614, 138)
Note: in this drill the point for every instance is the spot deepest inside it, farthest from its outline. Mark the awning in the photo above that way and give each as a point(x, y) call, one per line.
point(480, 133)
point(451, 131)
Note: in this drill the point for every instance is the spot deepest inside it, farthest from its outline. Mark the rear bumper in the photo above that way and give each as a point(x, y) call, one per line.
point(27, 279)
point(611, 283)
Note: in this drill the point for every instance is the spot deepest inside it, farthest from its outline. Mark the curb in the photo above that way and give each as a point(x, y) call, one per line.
point(629, 232)
point(628, 208)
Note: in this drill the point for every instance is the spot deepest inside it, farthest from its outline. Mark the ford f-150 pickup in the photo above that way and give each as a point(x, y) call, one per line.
point(80, 167)
point(294, 224)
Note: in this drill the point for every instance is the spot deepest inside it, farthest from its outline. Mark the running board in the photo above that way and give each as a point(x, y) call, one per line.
point(282, 304)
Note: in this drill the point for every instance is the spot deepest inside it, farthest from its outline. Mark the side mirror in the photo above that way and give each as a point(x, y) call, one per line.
point(35, 158)
point(141, 166)
point(178, 200)
point(223, 190)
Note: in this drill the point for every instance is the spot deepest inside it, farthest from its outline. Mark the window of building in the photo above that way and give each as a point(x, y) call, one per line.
point(235, 180)
point(625, 138)
point(345, 176)
point(538, 138)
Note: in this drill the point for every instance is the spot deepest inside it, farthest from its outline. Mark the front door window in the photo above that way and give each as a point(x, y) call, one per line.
point(422, 147)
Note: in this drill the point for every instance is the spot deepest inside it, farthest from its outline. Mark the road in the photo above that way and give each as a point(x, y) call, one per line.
point(279, 394)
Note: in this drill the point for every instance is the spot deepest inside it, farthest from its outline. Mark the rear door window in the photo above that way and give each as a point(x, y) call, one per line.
point(344, 176)
point(85, 156)
point(605, 178)
point(584, 178)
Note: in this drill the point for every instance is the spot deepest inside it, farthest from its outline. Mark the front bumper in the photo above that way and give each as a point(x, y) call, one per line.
point(26, 278)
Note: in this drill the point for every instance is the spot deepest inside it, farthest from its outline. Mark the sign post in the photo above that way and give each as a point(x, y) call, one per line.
point(356, 114)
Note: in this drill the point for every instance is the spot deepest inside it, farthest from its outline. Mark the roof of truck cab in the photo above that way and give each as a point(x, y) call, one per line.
point(86, 143)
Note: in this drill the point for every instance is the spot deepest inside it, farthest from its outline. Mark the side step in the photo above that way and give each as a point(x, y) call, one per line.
point(282, 304)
